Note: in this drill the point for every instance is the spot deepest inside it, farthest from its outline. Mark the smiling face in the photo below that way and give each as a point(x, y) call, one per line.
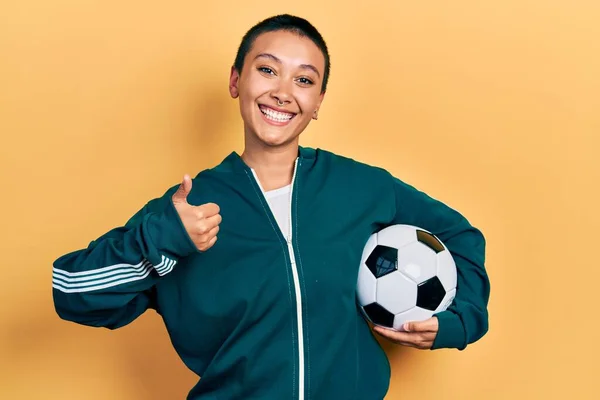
point(279, 88)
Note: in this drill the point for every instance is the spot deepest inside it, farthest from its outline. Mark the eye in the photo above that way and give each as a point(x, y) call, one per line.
point(266, 70)
point(305, 81)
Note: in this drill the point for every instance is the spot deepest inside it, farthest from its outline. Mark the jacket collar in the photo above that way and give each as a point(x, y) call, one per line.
point(234, 163)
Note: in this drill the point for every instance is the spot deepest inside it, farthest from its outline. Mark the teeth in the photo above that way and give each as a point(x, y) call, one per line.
point(276, 115)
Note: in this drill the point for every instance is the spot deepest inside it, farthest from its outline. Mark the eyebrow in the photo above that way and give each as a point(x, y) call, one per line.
point(277, 60)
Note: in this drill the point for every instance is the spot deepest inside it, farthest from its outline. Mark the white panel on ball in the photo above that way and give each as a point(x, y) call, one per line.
point(396, 236)
point(396, 292)
point(367, 285)
point(446, 270)
point(417, 261)
point(445, 303)
point(414, 314)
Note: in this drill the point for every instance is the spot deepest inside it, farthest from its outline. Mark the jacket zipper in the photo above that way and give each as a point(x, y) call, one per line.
point(298, 293)
point(296, 279)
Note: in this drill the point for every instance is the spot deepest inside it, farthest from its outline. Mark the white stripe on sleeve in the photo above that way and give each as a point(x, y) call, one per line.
point(105, 277)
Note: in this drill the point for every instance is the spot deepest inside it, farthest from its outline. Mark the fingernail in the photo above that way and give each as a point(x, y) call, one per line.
point(406, 327)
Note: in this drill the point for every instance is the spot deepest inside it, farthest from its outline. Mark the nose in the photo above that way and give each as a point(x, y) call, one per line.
point(282, 93)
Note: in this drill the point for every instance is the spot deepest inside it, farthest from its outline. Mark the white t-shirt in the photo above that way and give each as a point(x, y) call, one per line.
point(279, 202)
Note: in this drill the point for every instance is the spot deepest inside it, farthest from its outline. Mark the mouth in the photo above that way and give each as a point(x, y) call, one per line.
point(275, 117)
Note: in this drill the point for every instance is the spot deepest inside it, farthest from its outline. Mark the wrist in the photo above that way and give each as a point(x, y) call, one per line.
point(168, 233)
point(451, 331)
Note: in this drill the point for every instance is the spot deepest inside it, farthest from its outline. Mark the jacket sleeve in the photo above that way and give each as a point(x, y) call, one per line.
point(110, 283)
point(466, 319)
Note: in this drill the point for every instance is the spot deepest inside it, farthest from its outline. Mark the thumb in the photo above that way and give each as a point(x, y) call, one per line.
point(180, 196)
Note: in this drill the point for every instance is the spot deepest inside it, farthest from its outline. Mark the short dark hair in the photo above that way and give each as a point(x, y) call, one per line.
point(289, 23)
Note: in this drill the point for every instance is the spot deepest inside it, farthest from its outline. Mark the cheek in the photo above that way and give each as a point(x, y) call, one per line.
point(308, 101)
point(256, 86)
point(247, 105)
point(247, 90)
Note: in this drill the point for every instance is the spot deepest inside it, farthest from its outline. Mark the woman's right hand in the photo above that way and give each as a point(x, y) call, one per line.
point(200, 222)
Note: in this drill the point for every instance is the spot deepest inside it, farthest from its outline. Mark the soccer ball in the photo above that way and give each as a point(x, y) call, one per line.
point(406, 274)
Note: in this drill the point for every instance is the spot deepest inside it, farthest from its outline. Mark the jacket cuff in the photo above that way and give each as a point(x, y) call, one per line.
point(451, 332)
point(168, 233)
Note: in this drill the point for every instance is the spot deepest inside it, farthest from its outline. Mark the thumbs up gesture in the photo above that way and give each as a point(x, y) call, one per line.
point(200, 222)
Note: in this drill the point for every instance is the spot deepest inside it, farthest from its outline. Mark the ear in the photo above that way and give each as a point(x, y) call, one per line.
point(321, 97)
point(234, 79)
point(316, 112)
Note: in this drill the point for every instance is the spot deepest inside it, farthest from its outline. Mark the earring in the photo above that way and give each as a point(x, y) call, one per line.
point(316, 114)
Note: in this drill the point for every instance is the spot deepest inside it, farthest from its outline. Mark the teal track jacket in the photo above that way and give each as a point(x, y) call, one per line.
point(259, 315)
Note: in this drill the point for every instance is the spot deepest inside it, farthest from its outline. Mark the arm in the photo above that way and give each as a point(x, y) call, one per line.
point(466, 319)
point(110, 283)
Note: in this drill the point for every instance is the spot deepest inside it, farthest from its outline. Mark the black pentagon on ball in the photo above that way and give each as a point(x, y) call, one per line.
point(430, 241)
point(382, 260)
point(430, 294)
point(379, 315)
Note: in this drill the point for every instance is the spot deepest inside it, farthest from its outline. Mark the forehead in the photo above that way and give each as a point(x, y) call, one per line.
point(291, 48)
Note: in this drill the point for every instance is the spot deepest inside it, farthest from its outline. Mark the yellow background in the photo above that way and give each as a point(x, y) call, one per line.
point(491, 106)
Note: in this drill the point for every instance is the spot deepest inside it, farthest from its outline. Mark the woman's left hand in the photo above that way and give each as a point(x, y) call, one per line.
point(419, 334)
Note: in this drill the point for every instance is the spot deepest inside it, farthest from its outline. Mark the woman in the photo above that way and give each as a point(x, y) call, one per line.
point(268, 310)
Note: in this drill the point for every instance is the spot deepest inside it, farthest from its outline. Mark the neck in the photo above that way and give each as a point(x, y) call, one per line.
point(274, 166)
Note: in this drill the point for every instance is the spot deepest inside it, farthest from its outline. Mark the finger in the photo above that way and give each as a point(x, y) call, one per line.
point(412, 339)
point(203, 234)
point(405, 337)
point(204, 226)
point(208, 210)
point(211, 243)
point(184, 189)
point(213, 221)
point(210, 234)
point(429, 325)
point(203, 239)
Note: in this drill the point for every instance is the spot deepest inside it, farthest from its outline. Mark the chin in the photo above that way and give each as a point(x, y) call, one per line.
point(274, 136)
point(275, 140)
